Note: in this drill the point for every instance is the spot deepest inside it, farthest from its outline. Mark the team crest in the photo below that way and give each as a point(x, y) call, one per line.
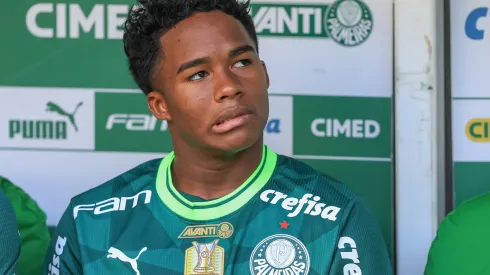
point(280, 254)
point(349, 22)
point(204, 259)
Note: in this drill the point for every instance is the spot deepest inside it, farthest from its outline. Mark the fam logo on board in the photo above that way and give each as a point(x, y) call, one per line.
point(477, 129)
point(473, 23)
point(347, 22)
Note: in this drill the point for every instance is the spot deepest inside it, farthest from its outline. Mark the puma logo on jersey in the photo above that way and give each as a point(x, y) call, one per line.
point(115, 253)
point(295, 206)
point(348, 252)
point(54, 266)
point(112, 204)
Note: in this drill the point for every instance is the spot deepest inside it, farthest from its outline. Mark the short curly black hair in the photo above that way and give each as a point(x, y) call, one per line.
point(151, 19)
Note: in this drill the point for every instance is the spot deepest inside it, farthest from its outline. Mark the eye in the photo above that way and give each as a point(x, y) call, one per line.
point(243, 63)
point(197, 76)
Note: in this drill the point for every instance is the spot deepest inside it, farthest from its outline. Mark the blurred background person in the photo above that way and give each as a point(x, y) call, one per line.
point(9, 238)
point(31, 224)
point(461, 244)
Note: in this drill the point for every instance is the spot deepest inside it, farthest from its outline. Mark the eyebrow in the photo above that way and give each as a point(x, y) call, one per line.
point(193, 63)
point(203, 60)
point(241, 49)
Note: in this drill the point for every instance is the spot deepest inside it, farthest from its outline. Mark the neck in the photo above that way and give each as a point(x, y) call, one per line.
point(211, 175)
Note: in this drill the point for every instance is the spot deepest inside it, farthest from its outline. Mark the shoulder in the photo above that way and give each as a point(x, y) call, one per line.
point(26, 208)
point(473, 209)
point(328, 197)
point(470, 215)
point(7, 213)
point(307, 178)
point(127, 184)
point(462, 234)
point(9, 234)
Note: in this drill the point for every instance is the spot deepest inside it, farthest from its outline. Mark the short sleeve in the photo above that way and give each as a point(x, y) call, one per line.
point(63, 256)
point(360, 247)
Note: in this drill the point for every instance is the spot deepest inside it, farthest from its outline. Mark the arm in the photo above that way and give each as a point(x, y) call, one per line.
point(9, 238)
point(63, 256)
point(360, 248)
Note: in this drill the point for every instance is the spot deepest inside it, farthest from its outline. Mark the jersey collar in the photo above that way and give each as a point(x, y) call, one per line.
point(217, 208)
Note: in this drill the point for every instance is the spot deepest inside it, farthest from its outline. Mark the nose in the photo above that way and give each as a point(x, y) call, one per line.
point(227, 85)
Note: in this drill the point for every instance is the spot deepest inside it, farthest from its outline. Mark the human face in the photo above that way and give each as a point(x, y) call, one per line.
point(214, 84)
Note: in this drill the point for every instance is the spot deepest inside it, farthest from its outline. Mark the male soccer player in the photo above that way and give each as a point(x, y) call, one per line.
point(222, 202)
point(9, 237)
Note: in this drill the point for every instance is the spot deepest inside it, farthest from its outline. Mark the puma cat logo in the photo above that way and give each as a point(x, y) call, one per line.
point(115, 253)
point(55, 108)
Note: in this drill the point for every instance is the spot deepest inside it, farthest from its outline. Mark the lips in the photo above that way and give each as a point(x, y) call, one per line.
point(231, 114)
point(231, 119)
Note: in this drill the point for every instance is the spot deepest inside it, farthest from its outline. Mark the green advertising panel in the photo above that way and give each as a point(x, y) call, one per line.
point(123, 123)
point(342, 126)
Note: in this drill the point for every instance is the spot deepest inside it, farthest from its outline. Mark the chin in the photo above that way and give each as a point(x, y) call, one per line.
point(237, 141)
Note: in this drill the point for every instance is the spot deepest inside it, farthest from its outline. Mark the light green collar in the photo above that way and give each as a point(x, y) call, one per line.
point(213, 209)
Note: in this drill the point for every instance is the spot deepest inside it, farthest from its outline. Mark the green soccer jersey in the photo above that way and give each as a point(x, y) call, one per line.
point(285, 219)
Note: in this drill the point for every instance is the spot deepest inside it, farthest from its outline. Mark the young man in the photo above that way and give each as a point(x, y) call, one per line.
point(9, 237)
point(222, 202)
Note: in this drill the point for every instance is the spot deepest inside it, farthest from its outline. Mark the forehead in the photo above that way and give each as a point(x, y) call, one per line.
point(203, 34)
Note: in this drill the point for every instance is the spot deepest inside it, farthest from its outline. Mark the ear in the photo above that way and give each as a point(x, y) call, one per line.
point(158, 105)
point(266, 74)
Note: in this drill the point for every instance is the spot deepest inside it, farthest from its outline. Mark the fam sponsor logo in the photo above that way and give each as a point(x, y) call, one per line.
point(309, 204)
point(473, 23)
point(347, 22)
point(477, 130)
point(45, 129)
point(345, 128)
point(149, 123)
point(136, 122)
point(113, 204)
